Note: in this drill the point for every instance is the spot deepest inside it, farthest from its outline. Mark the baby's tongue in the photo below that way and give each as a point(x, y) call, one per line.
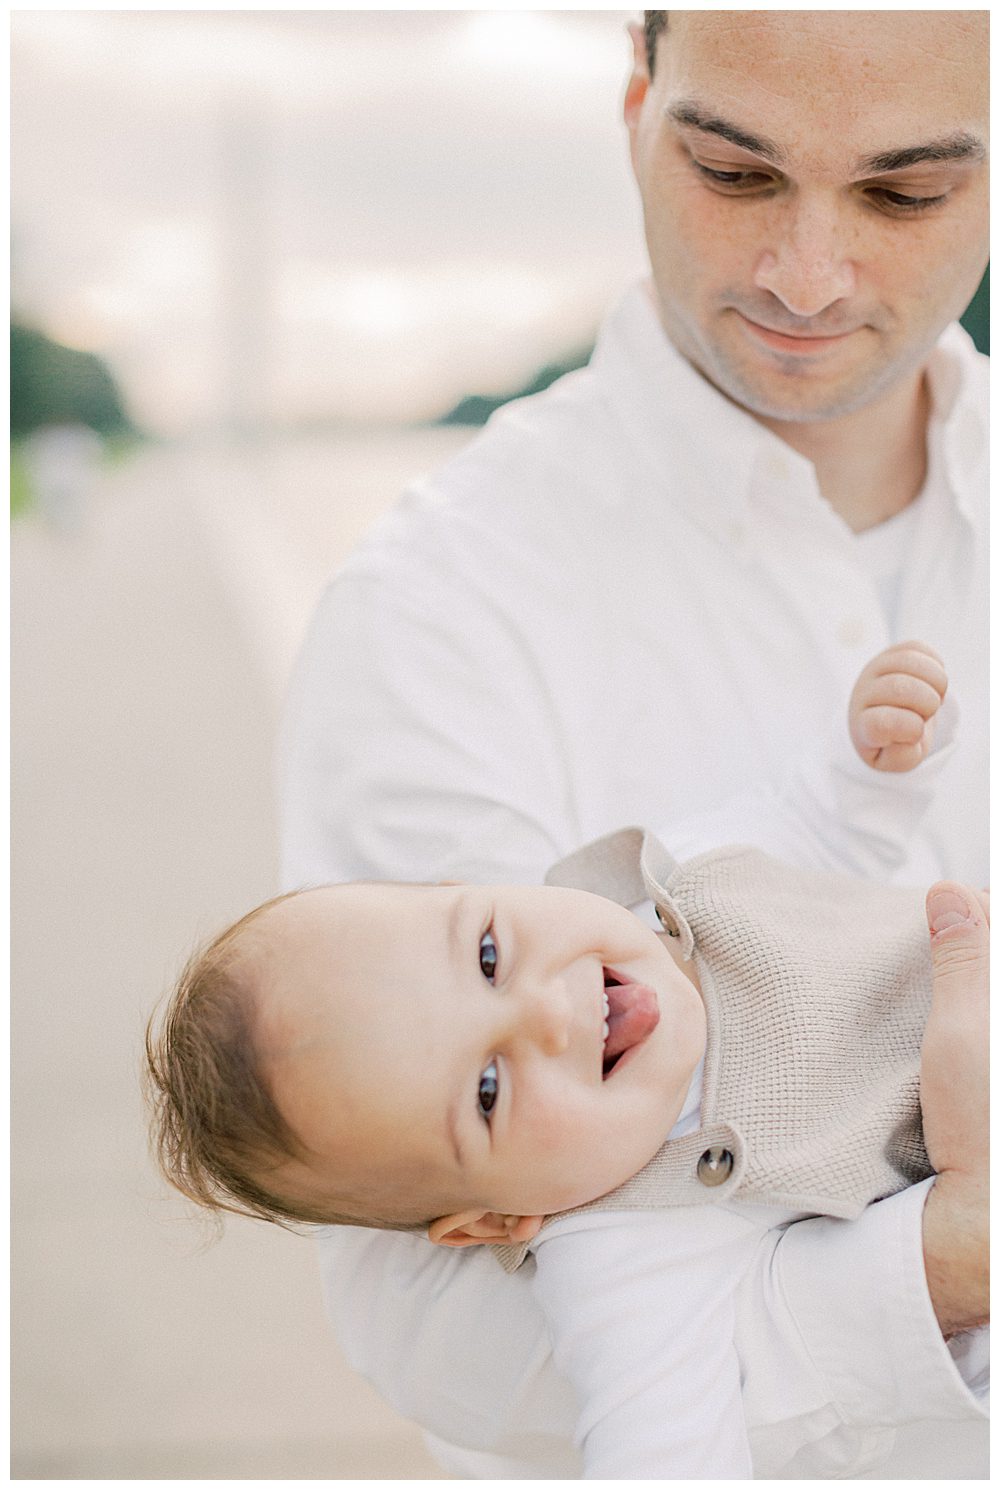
point(634, 1014)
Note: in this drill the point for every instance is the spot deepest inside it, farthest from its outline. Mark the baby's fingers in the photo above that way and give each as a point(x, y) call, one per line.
point(892, 708)
point(883, 724)
point(892, 739)
point(901, 691)
point(915, 659)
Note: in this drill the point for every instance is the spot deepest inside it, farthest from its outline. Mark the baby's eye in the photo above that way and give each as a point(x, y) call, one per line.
point(487, 1095)
point(489, 956)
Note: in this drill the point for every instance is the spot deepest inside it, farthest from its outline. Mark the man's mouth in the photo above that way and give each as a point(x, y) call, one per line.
point(631, 1014)
point(798, 343)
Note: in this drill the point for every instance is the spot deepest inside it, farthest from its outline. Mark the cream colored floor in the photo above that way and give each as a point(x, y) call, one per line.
point(149, 654)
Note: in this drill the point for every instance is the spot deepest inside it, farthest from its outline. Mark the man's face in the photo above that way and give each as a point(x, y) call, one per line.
point(815, 194)
point(447, 1043)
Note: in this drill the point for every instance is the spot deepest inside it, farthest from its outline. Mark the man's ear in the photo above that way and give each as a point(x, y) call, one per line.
point(479, 1228)
point(638, 83)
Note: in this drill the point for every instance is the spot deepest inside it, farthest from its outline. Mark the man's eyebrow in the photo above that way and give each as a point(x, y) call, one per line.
point(693, 116)
point(959, 146)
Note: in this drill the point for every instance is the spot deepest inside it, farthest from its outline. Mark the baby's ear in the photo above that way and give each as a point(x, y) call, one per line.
point(479, 1228)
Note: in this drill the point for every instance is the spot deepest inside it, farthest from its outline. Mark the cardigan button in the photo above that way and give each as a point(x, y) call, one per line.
point(715, 1166)
point(668, 926)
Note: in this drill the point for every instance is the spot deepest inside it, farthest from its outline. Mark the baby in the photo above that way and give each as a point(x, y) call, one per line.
point(485, 1063)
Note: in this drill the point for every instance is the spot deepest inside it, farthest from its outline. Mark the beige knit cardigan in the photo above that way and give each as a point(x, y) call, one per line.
point(817, 989)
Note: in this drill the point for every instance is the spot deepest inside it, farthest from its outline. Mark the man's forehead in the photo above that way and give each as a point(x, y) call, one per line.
point(900, 53)
point(836, 29)
point(849, 90)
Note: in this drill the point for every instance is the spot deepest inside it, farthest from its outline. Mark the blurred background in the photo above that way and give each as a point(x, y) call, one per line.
point(267, 267)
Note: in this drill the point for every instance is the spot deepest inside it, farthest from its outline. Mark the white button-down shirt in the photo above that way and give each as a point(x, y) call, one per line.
point(626, 602)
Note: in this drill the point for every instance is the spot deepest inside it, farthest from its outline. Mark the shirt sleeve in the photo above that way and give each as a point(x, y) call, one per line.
point(832, 812)
point(871, 1330)
point(416, 749)
point(456, 1344)
point(640, 1306)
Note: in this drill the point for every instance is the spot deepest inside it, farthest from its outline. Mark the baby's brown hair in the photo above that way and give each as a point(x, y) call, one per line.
point(216, 1131)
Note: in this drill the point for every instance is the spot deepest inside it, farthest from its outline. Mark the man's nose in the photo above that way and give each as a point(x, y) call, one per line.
point(807, 266)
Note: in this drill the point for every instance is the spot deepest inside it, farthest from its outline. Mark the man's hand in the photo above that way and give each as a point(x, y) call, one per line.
point(954, 1096)
point(892, 709)
point(954, 1057)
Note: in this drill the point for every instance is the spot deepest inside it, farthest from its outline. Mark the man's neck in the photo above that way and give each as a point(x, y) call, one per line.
point(870, 464)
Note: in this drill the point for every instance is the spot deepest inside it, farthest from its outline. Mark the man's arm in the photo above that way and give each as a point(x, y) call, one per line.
point(888, 1383)
point(956, 1252)
point(641, 1311)
point(954, 1096)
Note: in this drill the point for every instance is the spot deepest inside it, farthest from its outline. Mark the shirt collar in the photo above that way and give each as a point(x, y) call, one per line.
point(672, 414)
point(959, 435)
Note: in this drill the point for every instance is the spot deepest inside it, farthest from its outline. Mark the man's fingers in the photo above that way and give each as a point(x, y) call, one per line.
point(960, 940)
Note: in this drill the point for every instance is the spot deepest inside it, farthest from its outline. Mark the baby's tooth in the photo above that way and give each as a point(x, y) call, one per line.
point(607, 1029)
point(607, 1004)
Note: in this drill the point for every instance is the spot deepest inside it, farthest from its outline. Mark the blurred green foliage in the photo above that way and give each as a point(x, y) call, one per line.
point(477, 407)
point(977, 318)
point(20, 486)
point(53, 384)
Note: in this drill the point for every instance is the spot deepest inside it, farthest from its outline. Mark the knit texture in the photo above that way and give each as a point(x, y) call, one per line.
point(817, 989)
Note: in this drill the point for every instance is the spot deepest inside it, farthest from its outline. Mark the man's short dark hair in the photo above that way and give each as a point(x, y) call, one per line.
point(654, 21)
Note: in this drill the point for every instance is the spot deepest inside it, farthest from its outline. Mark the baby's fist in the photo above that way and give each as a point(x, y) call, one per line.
point(892, 708)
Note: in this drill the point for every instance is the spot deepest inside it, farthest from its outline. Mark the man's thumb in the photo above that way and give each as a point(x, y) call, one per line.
point(959, 930)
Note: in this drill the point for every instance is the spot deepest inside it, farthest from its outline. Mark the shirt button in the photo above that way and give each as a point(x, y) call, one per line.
point(714, 1167)
point(851, 632)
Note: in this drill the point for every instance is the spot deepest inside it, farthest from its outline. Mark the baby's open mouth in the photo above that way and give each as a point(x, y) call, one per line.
point(632, 1014)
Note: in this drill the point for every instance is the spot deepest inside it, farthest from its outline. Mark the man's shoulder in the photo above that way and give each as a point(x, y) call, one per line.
point(961, 372)
point(556, 434)
point(554, 458)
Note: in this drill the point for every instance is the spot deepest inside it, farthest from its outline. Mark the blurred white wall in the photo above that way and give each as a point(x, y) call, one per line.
point(313, 215)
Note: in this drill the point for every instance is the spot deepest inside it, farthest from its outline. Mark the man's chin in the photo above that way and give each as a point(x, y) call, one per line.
point(798, 395)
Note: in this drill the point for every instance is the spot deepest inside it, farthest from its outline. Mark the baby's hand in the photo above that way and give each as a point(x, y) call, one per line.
point(892, 708)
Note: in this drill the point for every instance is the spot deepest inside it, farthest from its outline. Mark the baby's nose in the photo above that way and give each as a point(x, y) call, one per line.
point(545, 1017)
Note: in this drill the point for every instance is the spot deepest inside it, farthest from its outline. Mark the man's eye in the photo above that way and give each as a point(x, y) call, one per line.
point(487, 1095)
point(899, 202)
point(735, 180)
point(488, 956)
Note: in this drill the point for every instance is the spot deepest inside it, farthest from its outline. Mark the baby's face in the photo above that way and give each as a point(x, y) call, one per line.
point(452, 1039)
